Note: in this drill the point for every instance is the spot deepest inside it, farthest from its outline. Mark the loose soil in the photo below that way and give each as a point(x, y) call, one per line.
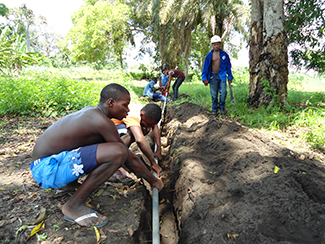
point(220, 187)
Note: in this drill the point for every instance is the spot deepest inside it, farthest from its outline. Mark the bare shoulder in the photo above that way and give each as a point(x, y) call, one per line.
point(86, 125)
point(94, 116)
point(89, 117)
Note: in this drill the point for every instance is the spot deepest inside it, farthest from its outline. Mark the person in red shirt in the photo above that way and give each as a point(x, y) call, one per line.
point(180, 78)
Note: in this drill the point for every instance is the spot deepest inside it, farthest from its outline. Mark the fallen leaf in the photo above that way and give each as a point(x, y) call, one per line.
point(99, 193)
point(103, 237)
point(12, 220)
point(2, 223)
point(97, 234)
point(21, 229)
point(114, 231)
point(58, 240)
point(130, 230)
point(232, 236)
point(88, 203)
point(38, 228)
point(276, 169)
point(40, 217)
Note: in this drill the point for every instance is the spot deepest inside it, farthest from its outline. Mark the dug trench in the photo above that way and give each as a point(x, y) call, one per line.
point(224, 183)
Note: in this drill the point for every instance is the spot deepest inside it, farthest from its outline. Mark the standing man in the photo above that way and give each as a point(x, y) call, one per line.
point(86, 143)
point(216, 71)
point(180, 78)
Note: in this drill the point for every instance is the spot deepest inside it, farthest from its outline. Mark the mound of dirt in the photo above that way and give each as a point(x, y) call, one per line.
point(220, 187)
point(225, 189)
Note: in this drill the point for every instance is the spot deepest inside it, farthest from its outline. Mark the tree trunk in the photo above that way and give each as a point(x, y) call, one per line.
point(162, 41)
point(28, 40)
point(268, 57)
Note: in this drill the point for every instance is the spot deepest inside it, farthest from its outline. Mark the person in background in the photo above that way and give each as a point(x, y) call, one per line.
point(216, 71)
point(150, 91)
point(163, 80)
point(180, 78)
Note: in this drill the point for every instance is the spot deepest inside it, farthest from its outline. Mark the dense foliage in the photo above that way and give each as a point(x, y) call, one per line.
point(44, 94)
point(174, 22)
point(180, 32)
point(305, 25)
point(99, 32)
point(12, 54)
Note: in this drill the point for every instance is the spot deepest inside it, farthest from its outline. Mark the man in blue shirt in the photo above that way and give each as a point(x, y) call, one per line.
point(150, 91)
point(216, 71)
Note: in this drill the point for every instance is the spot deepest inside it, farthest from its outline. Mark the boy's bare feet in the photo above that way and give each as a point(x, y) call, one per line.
point(121, 175)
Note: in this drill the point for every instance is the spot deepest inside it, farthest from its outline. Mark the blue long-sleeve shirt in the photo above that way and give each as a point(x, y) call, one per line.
point(148, 89)
point(224, 69)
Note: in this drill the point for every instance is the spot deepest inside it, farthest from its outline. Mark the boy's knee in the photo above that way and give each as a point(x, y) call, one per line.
point(122, 152)
point(112, 152)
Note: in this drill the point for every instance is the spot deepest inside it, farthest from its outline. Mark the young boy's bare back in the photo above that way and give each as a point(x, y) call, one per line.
point(88, 130)
point(85, 127)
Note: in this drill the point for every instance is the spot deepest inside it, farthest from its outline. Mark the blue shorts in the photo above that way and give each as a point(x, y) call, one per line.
point(58, 170)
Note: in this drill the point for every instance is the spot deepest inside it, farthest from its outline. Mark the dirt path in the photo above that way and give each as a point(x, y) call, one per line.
point(220, 187)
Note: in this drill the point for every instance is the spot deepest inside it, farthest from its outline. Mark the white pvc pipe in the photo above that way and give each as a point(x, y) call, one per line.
point(155, 196)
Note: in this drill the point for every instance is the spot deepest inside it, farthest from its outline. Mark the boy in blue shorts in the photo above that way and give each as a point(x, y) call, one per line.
point(86, 143)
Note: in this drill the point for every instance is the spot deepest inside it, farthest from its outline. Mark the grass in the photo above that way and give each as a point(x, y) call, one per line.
point(45, 92)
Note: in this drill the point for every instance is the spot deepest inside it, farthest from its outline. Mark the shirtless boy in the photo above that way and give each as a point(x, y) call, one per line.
point(87, 143)
point(137, 125)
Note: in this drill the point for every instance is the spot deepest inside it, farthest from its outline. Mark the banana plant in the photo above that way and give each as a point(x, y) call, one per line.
point(12, 55)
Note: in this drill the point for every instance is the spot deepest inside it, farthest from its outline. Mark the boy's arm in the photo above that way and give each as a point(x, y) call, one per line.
point(205, 70)
point(108, 130)
point(169, 78)
point(145, 147)
point(154, 89)
point(156, 136)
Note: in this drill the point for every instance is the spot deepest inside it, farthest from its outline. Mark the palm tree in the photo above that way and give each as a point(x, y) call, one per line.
point(174, 21)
